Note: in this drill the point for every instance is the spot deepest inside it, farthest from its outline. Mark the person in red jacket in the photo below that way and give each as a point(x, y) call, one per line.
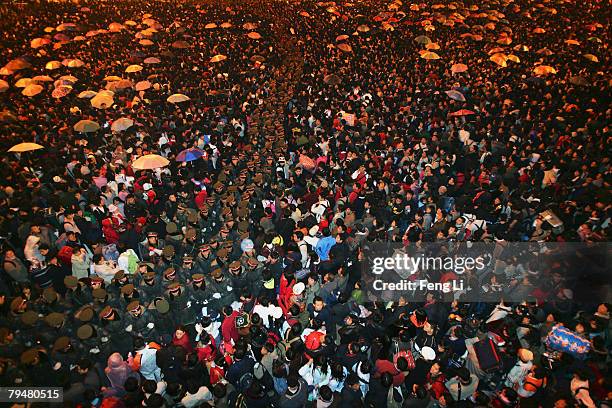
point(108, 229)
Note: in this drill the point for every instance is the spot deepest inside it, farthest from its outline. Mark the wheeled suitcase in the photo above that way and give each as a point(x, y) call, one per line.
point(488, 357)
point(562, 339)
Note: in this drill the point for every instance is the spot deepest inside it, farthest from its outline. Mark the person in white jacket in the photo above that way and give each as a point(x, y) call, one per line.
point(196, 394)
point(316, 374)
point(520, 370)
point(104, 269)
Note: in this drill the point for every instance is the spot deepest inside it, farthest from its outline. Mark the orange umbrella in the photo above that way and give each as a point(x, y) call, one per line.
point(500, 59)
point(458, 68)
point(432, 46)
point(145, 42)
point(544, 70)
point(307, 163)
point(150, 162)
point(430, 55)
point(363, 28)
point(226, 25)
point(462, 112)
point(152, 60)
point(4, 86)
point(210, 26)
point(218, 58)
point(32, 90)
point(142, 85)
point(39, 42)
point(344, 47)
point(572, 42)
point(342, 38)
point(539, 30)
point(253, 35)
point(304, 14)
point(591, 57)
point(61, 91)
point(17, 64)
point(513, 58)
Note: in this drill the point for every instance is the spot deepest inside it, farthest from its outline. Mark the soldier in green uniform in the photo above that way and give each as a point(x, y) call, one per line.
point(139, 322)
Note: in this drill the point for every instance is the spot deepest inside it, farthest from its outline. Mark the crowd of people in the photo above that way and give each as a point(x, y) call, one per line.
point(281, 139)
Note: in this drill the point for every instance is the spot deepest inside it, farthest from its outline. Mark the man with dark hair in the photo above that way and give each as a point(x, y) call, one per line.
point(296, 394)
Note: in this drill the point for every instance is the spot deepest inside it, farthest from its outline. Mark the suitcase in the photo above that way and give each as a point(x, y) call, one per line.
point(562, 339)
point(488, 357)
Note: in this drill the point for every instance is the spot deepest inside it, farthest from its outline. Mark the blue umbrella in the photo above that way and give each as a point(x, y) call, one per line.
point(191, 154)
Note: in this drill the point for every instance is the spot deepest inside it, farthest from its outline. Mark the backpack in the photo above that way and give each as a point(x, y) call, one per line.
point(110, 252)
point(245, 381)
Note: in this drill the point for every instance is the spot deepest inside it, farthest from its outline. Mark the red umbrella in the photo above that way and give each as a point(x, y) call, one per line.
point(462, 112)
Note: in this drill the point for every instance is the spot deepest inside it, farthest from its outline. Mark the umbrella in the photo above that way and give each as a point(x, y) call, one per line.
point(25, 147)
point(591, 57)
point(23, 82)
point(422, 39)
point(115, 27)
point(69, 79)
point(42, 78)
point(304, 14)
point(191, 154)
point(73, 63)
point(180, 44)
point(39, 42)
point(6, 71)
point(133, 68)
point(332, 79)
point(500, 59)
point(149, 162)
point(258, 58)
point(307, 163)
point(455, 95)
point(430, 55)
point(51, 65)
point(572, 42)
point(87, 94)
point(579, 81)
point(32, 90)
point(249, 26)
point(342, 38)
point(210, 26)
point(122, 124)
point(513, 58)
point(118, 85)
point(86, 126)
point(458, 68)
point(61, 37)
point(253, 35)
point(61, 91)
point(101, 101)
point(177, 98)
point(344, 47)
point(131, 23)
point(152, 60)
point(142, 85)
point(145, 42)
point(539, 30)
point(112, 78)
point(462, 112)
point(363, 28)
point(17, 64)
point(4, 86)
point(226, 25)
point(432, 46)
point(544, 70)
point(218, 58)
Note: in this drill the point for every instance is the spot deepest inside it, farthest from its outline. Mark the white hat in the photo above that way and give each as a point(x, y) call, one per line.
point(147, 186)
point(313, 231)
point(298, 288)
point(428, 353)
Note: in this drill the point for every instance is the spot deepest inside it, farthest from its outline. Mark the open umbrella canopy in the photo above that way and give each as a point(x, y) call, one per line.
point(455, 95)
point(253, 35)
point(178, 98)
point(226, 25)
point(342, 37)
point(73, 63)
point(112, 78)
point(579, 81)
point(23, 82)
point(87, 94)
point(150, 162)
point(152, 60)
point(133, 68)
point(180, 44)
point(122, 124)
point(430, 55)
point(191, 154)
point(332, 79)
point(146, 42)
point(344, 47)
point(142, 85)
point(422, 39)
point(432, 46)
point(462, 112)
point(4, 86)
point(591, 57)
point(101, 101)
point(363, 28)
point(218, 58)
point(544, 70)
point(86, 126)
point(210, 26)
point(32, 90)
point(458, 68)
point(249, 26)
point(42, 78)
point(258, 58)
point(17, 64)
point(39, 42)
point(61, 91)
point(25, 147)
point(500, 59)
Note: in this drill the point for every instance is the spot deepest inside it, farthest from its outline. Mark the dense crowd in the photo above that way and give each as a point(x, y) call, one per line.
point(282, 139)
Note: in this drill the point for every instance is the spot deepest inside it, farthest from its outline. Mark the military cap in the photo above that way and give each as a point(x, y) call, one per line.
point(242, 212)
point(161, 305)
point(149, 275)
point(204, 247)
point(218, 185)
point(54, 319)
point(197, 277)
point(147, 264)
point(169, 273)
point(234, 266)
point(192, 218)
point(96, 279)
point(29, 318)
point(171, 228)
point(188, 258)
point(224, 230)
point(216, 273)
point(151, 234)
point(127, 289)
point(222, 253)
point(29, 356)
point(71, 281)
point(61, 343)
point(243, 226)
point(85, 332)
point(168, 251)
point(174, 286)
point(252, 262)
point(119, 275)
point(85, 314)
point(106, 312)
point(99, 294)
point(190, 233)
point(133, 306)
